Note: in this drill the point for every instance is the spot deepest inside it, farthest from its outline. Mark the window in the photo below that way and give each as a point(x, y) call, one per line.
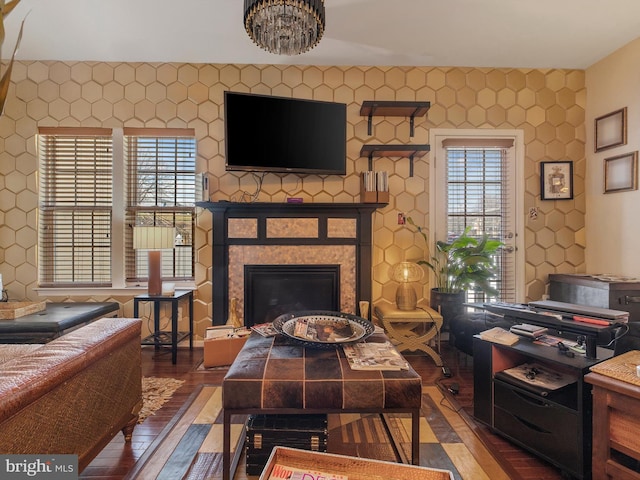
point(76, 196)
point(95, 186)
point(161, 192)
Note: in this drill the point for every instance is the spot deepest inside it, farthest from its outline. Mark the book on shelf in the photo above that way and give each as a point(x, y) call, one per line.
point(499, 335)
point(374, 356)
point(285, 472)
point(528, 330)
point(382, 181)
point(369, 181)
point(265, 329)
point(374, 186)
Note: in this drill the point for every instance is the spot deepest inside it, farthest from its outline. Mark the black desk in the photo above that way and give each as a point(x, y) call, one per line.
point(172, 338)
point(557, 425)
point(55, 320)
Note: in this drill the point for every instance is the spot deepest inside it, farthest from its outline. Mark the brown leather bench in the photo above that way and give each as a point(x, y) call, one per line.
point(275, 376)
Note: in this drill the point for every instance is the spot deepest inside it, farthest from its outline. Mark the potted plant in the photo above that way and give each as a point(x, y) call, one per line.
point(460, 264)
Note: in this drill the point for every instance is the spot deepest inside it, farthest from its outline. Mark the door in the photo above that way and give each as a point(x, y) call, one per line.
point(474, 179)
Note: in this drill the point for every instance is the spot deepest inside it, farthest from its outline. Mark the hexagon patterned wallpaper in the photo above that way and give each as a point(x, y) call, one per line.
point(548, 105)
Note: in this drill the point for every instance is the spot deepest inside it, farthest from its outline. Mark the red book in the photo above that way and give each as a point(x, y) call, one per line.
point(595, 321)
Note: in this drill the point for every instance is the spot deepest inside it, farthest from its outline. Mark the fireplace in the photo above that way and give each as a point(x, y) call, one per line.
point(281, 234)
point(271, 290)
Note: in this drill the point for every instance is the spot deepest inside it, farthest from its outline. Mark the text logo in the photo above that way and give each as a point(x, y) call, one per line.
point(49, 467)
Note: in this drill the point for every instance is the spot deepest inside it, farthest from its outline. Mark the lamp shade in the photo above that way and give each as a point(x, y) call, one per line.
point(405, 272)
point(154, 238)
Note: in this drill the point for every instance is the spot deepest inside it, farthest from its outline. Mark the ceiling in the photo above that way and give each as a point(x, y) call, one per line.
point(472, 33)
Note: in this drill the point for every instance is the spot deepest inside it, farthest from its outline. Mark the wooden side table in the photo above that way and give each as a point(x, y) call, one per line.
point(616, 417)
point(412, 329)
point(173, 337)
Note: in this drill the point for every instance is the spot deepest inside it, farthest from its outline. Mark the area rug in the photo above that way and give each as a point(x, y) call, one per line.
point(191, 445)
point(155, 393)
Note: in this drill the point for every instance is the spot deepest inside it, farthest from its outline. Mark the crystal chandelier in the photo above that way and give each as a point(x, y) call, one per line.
point(284, 27)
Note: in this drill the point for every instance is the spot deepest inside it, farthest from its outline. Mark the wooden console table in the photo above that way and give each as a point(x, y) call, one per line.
point(276, 376)
point(616, 422)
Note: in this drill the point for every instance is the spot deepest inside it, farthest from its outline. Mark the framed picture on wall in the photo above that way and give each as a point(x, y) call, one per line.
point(611, 130)
point(556, 180)
point(621, 173)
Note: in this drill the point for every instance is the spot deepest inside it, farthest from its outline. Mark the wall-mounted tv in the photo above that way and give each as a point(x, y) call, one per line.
point(287, 135)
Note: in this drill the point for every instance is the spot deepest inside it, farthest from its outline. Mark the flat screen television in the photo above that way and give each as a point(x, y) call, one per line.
point(287, 135)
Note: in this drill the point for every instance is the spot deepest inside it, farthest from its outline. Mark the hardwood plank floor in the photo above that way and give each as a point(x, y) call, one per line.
point(118, 458)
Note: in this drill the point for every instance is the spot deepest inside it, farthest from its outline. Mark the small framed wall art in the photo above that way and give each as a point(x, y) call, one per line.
point(556, 180)
point(621, 173)
point(611, 130)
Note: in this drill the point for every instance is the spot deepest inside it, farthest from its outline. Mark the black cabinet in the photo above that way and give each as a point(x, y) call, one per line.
point(555, 425)
point(603, 291)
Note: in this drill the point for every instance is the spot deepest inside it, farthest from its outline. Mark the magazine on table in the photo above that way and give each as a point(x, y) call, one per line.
point(499, 335)
point(374, 356)
point(323, 329)
point(285, 472)
point(265, 329)
point(553, 341)
point(540, 378)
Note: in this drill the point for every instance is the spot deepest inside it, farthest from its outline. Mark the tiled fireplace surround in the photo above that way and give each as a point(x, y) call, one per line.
point(290, 234)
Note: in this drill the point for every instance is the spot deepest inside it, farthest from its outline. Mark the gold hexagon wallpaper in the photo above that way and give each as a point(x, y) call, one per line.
point(547, 105)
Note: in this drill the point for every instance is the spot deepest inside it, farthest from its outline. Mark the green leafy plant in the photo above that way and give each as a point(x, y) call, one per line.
point(463, 263)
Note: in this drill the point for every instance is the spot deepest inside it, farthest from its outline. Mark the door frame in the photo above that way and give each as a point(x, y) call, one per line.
point(437, 190)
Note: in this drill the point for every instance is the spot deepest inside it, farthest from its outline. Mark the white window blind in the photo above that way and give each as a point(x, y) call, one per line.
point(477, 197)
point(161, 192)
point(75, 206)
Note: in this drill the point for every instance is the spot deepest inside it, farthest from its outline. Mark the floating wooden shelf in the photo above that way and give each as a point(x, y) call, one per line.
point(371, 108)
point(403, 151)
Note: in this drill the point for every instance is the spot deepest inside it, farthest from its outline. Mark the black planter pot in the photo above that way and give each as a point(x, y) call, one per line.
point(450, 305)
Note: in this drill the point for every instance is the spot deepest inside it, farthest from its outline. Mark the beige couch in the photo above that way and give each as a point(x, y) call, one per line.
point(74, 394)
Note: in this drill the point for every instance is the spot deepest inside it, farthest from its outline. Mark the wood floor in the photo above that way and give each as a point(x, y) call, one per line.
point(118, 458)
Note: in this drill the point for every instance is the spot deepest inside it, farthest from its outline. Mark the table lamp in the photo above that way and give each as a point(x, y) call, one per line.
point(154, 239)
point(406, 273)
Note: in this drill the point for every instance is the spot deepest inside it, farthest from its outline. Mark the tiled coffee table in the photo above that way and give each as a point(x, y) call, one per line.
point(273, 375)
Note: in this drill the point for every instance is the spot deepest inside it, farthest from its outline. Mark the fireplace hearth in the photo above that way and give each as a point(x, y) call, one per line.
point(272, 290)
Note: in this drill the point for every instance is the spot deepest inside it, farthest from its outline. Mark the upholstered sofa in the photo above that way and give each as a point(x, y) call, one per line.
point(73, 394)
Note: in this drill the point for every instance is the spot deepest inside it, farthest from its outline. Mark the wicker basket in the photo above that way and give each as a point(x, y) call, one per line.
point(621, 367)
point(13, 310)
point(352, 467)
